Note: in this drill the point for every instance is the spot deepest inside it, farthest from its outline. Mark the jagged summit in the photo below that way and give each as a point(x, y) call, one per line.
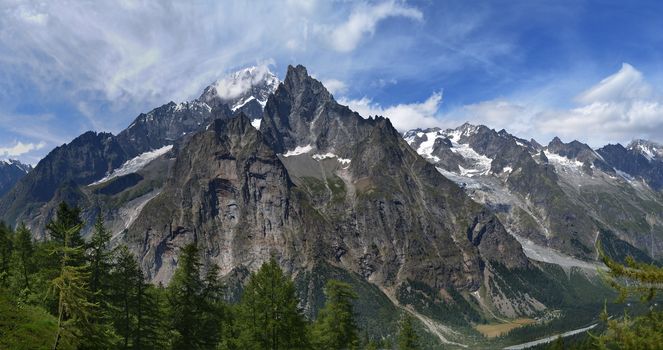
point(15, 163)
point(246, 90)
point(649, 149)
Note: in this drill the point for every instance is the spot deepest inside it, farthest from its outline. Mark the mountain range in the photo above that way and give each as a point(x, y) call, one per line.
point(458, 227)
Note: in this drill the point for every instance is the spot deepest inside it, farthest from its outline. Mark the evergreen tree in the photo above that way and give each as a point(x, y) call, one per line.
point(633, 278)
point(66, 216)
point(193, 306)
point(407, 337)
point(23, 255)
point(336, 327)
point(6, 246)
point(100, 258)
point(70, 286)
point(267, 315)
point(126, 278)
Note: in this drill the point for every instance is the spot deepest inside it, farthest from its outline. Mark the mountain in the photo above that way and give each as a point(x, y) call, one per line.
point(11, 171)
point(558, 198)
point(67, 172)
point(457, 227)
point(244, 91)
point(330, 194)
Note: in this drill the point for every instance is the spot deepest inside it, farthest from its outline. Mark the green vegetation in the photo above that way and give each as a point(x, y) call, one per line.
point(65, 293)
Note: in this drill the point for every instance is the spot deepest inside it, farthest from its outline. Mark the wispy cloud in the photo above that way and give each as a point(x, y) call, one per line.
point(362, 22)
point(19, 148)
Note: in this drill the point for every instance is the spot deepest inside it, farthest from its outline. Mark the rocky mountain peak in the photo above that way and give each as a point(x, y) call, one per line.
point(649, 149)
point(302, 113)
point(241, 87)
point(6, 163)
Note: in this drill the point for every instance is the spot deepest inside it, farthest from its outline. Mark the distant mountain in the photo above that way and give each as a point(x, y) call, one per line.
point(11, 171)
point(92, 156)
point(562, 196)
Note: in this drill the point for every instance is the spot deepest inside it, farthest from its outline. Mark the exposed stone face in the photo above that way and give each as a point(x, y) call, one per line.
point(84, 160)
point(302, 112)
point(388, 216)
point(230, 193)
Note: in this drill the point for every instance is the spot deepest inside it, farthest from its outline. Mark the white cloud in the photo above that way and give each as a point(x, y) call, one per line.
point(236, 84)
point(363, 20)
point(403, 116)
point(625, 85)
point(335, 86)
point(619, 108)
point(20, 148)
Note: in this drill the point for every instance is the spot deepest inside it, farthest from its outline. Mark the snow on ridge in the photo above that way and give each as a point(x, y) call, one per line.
point(299, 150)
point(135, 164)
point(328, 155)
point(562, 161)
point(426, 147)
point(241, 103)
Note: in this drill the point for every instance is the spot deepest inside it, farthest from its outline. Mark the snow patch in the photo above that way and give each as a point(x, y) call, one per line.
point(256, 123)
point(135, 164)
point(426, 147)
point(299, 150)
point(562, 162)
point(481, 163)
point(343, 161)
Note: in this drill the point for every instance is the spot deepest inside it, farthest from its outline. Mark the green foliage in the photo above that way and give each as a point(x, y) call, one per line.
point(99, 257)
point(23, 256)
point(24, 327)
point(407, 337)
point(194, 304)
point(267, 316)
point(6, 246)
point(336, 327)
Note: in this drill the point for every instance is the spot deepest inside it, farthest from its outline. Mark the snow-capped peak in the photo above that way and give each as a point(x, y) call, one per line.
point(650, 150)
point(239, 88)
point(13, 162)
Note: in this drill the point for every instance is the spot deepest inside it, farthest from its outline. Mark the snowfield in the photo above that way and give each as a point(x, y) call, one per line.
point(135, 164)
point(299, 150)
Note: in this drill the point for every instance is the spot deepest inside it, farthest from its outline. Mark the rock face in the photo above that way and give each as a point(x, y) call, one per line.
point(386, 215)
point(10, 172)
point(563, 196)
point(66, 171)
point(640, 159)
point(57, 177)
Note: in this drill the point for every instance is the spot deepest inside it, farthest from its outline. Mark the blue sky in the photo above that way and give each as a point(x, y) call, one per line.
point(583, 70)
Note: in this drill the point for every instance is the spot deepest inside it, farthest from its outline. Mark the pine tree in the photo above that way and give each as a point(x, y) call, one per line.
point(100, 258)
point(336, 327)
point(268, 316)
point(70, 286)
point(23, 255)
point(68, 217)
point(407, 337)
point(126, 277)
point(6, 247)
point(193, 304)
point(632, 278)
